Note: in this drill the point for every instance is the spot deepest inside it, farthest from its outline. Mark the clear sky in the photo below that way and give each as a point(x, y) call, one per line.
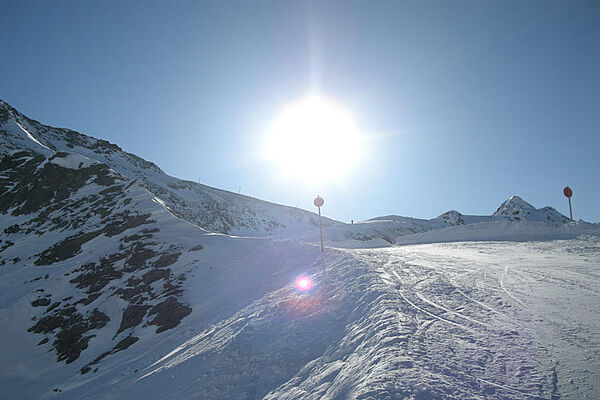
point(461, 104)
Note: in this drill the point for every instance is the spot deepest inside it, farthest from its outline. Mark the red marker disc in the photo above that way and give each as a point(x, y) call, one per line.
point(567, 191)
point(319, 201)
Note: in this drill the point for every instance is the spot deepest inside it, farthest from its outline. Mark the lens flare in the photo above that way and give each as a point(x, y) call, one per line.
point(303, 283)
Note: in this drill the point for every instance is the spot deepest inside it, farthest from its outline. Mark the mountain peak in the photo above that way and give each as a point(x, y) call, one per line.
point(517, 209)
point(513, 206)
point(451, 217)
point(6, 111)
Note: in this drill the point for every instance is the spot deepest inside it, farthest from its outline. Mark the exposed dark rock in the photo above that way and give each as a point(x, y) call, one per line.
point(52, 307)
point(72, 245)
point(123, 221)
point(60, 318)
point(6, 112)
point(12, 229)
point(88, 300)
point(167, 259)
point(43, 184)
point(452, 217)
point(136, 294)
point(358, 236)
point(135, 238)
point(155, 274)
point(125, 343)
point(70, 341)
point(85, 370)
point(43, 341)
point(169, 314)
point(139, 256)
point(66, 249)
point(96, 277)
point(122, 345)
point(387, 239)
point(132, 316)
point(37, 279)
point(197, 248)
point(6, 245)
point(42, 302)
point(112, 190)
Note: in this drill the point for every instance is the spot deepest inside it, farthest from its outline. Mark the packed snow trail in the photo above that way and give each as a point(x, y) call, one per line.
point(509, 320)
point(435, 321)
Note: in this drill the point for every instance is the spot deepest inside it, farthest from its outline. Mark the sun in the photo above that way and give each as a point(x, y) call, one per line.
point(313, 139)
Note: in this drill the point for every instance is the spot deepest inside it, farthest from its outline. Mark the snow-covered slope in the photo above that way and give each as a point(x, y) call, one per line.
point(110, 288)
point(477, 321)
point(95, 273)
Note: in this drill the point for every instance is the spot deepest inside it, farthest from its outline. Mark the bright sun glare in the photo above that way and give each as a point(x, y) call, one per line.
point(314, 139)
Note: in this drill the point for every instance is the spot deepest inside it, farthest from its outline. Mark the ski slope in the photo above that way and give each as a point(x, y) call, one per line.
point(118, 281)
point(464, 320)
point(477, 320)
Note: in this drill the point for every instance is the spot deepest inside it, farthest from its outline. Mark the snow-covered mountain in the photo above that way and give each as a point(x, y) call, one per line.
point(515, 219)
point(513, 209)
point(212, 209)
point(94, 264)
point(225, 212)
point(517, 209)
point(119, 281)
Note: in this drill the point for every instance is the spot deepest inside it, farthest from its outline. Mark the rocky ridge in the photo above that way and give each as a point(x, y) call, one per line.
point(91, 224)
point(212, 209)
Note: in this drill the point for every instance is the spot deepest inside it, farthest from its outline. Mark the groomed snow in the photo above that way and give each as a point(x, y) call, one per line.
point(485, 320)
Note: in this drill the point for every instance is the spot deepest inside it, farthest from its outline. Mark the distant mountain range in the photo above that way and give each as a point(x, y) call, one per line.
point(225, 212)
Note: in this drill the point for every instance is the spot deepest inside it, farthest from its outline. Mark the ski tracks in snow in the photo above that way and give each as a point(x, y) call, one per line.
point(503, 286)
point(469, 327)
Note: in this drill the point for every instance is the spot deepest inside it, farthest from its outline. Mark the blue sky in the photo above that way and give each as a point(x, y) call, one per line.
point(462, 103)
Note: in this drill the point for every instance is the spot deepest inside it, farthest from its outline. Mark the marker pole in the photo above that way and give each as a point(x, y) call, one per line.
point(321, 230)
point(568, 192)
point(318, 203)
point(570, 210)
